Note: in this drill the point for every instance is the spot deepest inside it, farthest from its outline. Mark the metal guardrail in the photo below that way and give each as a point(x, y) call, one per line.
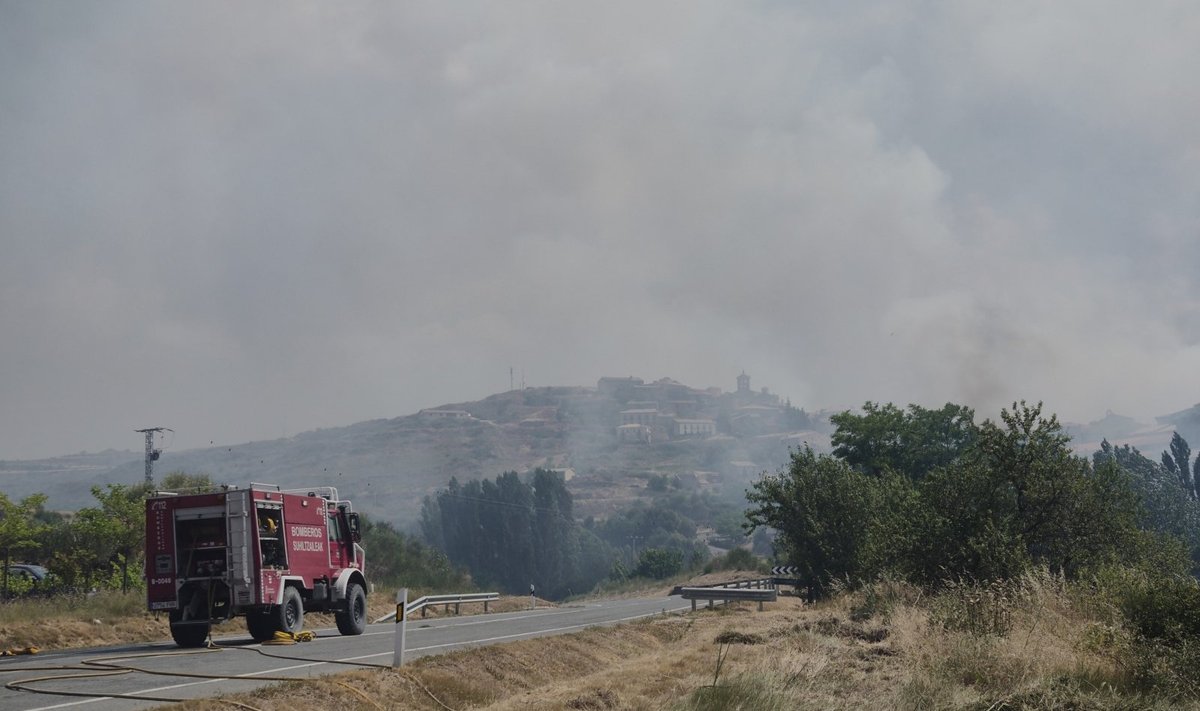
point(756, 583)
point(758, 590)
point(759, 595)
point(423, 602)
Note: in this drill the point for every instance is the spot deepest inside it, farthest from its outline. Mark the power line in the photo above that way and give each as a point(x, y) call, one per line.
point(529, 507)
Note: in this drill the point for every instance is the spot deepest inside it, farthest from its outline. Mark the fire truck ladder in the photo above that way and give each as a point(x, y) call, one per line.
point(237, 509)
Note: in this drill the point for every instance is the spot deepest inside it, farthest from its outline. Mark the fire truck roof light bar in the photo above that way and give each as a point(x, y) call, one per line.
point(328, 493)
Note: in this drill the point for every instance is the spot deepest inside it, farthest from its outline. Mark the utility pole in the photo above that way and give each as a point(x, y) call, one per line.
point(152, 454)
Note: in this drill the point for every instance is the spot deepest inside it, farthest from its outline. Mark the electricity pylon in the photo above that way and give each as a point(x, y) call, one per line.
point(152, 454)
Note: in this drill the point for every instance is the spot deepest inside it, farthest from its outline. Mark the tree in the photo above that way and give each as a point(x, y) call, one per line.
point(956, 524)
point(19, 529)
point(821, 508)
point(1178, 461)
point(659, 525)
point(402, 560)
point(182, 481)
point(658, 563)
point(510, 533)
point(1168, 463)
point(73, 553)
point(431, 523)
point(1196, 479)
point(556, 546)
point(1064, 512)
point(729, 524)
point(1165, 505)
point(1012, 497)
point(515, 507)
point(119, 522)
point(796, 420)
point(595, 561)
point(912, 442)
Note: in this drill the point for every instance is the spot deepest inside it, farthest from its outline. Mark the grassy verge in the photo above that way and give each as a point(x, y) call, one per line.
point(78, 621)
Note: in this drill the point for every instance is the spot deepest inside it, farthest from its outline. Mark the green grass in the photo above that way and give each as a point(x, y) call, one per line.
point(746, 692)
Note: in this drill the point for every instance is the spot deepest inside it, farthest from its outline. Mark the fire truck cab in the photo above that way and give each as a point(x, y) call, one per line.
point(261, 552)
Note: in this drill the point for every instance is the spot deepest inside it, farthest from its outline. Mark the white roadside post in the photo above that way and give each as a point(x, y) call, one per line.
point(401, 627)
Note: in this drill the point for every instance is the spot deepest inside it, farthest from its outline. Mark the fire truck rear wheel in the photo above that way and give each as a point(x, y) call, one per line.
point(353, 620)
point(261, 625)
point(187, 635)
point(289, 616)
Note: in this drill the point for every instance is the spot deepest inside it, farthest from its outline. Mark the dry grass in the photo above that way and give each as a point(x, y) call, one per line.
point(69, 621)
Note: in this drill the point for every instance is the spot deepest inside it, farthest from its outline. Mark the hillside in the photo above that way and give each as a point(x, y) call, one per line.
point(388, 466)
point(612, 439)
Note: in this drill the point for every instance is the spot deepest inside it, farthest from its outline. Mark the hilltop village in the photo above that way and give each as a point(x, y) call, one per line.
point(668, 409)
point(625, 430)
point(665, 409)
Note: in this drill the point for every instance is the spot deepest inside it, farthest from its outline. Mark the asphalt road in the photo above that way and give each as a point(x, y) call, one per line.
point(243, 667)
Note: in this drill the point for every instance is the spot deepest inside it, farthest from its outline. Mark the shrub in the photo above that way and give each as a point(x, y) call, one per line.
point(658, 563)
point(979, 609)
point(880, 597)
point(1155, 607)
point(1162, 616)
point(742, 692)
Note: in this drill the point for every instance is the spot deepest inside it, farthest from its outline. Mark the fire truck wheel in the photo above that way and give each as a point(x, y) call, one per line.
point(261, 625)
point(353, 620)
point(187, 635)
point(289, 617)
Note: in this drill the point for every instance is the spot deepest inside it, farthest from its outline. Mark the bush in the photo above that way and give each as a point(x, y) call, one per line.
point(980, 609)
point(880, 597)
point(658, 563)
point(1155, 607)
point(1161, 614)
point(742, 692)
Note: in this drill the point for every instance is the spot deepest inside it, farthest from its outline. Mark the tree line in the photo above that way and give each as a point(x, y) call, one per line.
point(102, 547)
point(520, 530)
point(514, 534)
point(99, 547)
point(928, 495)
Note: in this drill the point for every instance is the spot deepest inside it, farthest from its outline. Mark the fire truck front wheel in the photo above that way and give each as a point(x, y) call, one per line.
point(289, 616)
point(353, 620)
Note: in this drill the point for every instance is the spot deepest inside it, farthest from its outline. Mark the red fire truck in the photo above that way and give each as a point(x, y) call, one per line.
point(261, 552)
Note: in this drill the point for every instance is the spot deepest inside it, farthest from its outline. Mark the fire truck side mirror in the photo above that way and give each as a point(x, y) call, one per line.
point(352, 523)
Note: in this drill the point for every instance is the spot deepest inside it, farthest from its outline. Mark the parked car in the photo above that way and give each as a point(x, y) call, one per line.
point(28, 571)
point(29, 579)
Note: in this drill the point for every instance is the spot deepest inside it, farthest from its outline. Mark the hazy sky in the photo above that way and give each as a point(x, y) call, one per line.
point(247, 219)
